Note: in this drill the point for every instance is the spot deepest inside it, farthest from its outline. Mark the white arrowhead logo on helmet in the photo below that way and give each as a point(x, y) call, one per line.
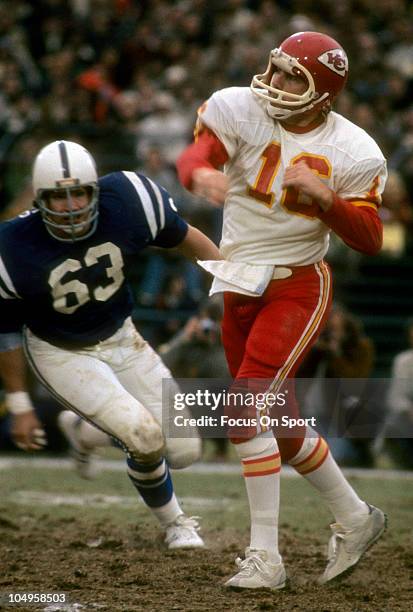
point(336, 60)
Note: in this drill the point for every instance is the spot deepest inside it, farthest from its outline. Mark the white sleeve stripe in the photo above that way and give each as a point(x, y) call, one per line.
point(160, 202)
point(145, 199)
point(8, 289)
point(5, 295)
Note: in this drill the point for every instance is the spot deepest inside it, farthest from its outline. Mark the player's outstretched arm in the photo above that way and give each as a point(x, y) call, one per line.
point(25, 428)
point(198, 246)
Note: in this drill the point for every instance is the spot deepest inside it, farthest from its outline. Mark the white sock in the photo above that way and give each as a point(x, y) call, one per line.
point(315, 462)
point(261, 466)
point(155, 486)
point(169, 512)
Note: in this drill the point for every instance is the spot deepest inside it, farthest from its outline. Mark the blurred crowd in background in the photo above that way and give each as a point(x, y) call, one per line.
point(125, 78)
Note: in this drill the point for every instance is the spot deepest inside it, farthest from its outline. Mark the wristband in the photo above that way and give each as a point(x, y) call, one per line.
point(18, 402)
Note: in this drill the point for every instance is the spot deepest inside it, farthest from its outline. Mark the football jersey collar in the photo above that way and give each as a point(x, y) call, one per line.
point(303, 129)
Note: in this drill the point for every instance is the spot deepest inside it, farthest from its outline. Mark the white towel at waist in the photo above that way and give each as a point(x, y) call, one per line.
point(240, 277)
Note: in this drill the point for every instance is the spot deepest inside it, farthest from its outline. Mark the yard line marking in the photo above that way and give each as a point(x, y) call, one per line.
point(40, 498)
point(118, 465)
point(73, 607)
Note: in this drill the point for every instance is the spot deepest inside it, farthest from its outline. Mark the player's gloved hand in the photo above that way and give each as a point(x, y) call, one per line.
point(210, 184)
point(25, 428)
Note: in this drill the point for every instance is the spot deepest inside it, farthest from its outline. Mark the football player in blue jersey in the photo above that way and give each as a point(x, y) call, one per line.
point(62, 281)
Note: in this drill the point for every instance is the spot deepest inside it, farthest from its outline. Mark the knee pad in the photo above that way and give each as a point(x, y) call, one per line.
point(181, 452)
point(137, 431)
point(151, 457)
point(145, 441)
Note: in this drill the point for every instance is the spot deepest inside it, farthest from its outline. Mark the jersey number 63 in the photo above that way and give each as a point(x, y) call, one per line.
point(61, 291)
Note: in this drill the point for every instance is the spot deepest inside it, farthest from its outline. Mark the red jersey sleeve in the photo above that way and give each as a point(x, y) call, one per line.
point(207, 151)
point(357, 223)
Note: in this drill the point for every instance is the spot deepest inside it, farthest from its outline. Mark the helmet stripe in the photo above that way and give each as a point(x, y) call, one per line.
point(65, 159)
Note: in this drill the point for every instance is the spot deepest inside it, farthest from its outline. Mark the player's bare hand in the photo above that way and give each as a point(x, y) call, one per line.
point(27, 431)
point(190, 329)
point(210, 184)
point(300, 176)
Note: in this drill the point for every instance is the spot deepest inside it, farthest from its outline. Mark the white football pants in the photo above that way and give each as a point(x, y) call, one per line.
point(117, 386)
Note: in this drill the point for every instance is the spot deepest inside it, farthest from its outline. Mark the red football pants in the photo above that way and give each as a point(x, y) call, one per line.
point(269, 336)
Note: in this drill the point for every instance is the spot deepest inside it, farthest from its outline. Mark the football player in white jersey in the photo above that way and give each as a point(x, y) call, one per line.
point(293, 171)
point(63, 281)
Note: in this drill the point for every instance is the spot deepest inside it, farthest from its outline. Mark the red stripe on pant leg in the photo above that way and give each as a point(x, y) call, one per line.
point(318, 314)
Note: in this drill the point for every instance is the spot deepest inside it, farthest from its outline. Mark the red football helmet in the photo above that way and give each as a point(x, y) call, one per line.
point(317, 57)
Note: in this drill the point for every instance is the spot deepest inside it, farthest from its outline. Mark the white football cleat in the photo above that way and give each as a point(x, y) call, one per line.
point(69, 423)
point(183, 533)
point(346, 546)
point(256, 572)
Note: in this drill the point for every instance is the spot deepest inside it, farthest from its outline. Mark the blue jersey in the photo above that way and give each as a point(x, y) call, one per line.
point(75, 293)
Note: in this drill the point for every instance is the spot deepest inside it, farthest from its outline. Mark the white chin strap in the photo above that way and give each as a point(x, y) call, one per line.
point(282, 105)
point(283, 113)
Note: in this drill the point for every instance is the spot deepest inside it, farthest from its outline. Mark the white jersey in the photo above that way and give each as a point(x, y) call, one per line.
point(264, 224)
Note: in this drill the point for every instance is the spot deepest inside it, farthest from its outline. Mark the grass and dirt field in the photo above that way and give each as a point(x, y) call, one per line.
point(93, 542)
